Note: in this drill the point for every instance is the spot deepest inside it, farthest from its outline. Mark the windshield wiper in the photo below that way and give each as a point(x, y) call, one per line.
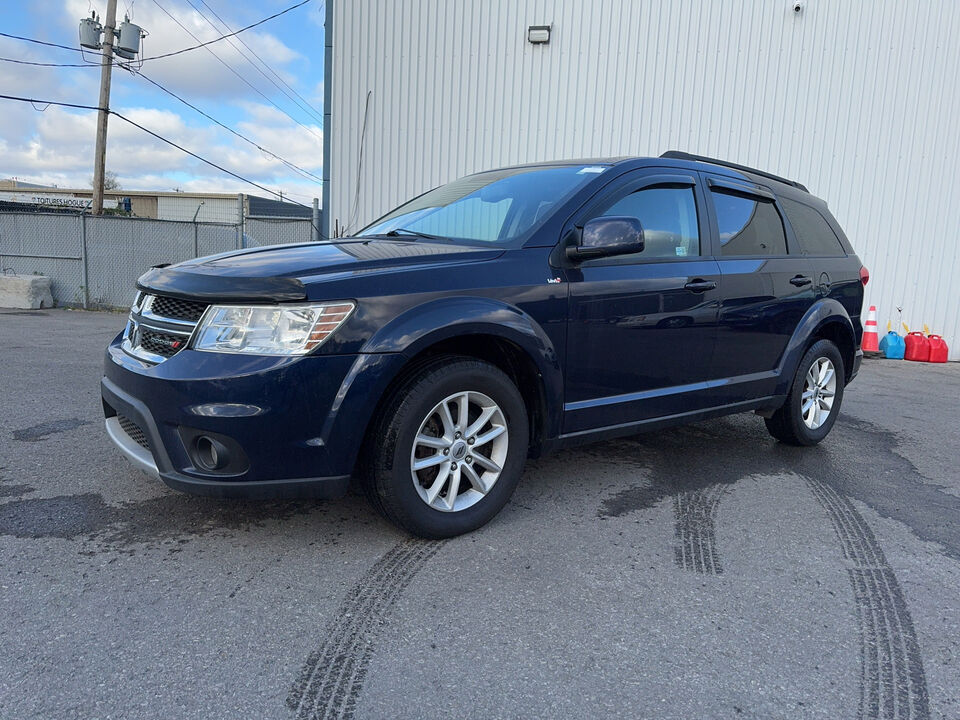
point(397, 232)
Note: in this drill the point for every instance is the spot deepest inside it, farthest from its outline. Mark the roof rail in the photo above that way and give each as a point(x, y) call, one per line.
point(678, 155)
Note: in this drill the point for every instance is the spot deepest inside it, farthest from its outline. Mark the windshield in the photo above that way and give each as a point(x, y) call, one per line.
point(498, 207)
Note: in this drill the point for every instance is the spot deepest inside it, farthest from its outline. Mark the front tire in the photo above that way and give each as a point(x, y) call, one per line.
point(813, 402)
point(446, 452)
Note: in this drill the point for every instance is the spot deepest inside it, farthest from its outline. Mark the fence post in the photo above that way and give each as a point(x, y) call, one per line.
point(84, 272)
point(241, 219)
point(315, 235)
point(196, 245)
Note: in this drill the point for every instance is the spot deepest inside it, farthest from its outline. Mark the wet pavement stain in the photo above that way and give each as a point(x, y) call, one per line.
point(692, 458)
point(892, 681)
point(106, 527)
point(40, 432)
point(13, 489)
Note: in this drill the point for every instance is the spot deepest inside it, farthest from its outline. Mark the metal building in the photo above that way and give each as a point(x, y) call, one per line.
point(858, 101)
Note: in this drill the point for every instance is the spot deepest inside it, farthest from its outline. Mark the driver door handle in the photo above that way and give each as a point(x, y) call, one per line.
point(800, 280)
point(700, 285)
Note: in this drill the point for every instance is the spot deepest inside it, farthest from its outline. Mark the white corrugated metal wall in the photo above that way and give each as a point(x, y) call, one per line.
point(859, 101)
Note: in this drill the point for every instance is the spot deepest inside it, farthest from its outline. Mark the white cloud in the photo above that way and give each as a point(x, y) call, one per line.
point(57, 145)
point(61, 152)
point(204, 72)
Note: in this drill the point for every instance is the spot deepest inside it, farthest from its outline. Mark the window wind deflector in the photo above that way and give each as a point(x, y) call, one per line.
point(741, 187)
point(668, 179)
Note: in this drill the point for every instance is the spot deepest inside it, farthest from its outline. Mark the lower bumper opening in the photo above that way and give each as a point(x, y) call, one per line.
point(136, 450)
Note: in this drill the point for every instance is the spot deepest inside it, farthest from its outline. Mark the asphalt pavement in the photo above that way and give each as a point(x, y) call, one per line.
point(698, 572)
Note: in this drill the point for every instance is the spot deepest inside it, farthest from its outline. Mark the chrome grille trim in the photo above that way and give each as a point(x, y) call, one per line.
point(145, 327)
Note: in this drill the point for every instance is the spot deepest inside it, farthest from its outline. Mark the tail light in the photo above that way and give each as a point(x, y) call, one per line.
point(864, 275)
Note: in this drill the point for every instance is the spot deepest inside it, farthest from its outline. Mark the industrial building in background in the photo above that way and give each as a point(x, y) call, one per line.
point(857, 101)
point(18, 196)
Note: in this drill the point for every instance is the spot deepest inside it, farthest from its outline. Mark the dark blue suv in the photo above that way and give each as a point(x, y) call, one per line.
point(504, 315)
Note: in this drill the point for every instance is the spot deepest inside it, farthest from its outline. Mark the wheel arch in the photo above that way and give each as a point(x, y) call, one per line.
point(841, 335)
point(827, 319)
point(485, 329)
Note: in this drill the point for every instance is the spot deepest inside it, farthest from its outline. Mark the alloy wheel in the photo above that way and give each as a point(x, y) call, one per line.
point(819, 391)
point(459, 451)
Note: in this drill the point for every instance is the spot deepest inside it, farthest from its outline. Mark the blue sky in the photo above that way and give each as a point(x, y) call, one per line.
point(56, 146)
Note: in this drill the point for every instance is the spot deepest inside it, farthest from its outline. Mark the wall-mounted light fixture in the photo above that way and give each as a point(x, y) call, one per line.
point(539, 34)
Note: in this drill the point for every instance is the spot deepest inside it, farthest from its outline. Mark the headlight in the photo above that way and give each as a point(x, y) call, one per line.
point(269, 329)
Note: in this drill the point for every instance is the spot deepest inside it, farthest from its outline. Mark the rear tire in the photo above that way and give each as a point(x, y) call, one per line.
point(814, 400)
point(437, 470)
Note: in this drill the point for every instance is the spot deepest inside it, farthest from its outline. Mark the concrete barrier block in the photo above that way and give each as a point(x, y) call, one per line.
point(25, 292)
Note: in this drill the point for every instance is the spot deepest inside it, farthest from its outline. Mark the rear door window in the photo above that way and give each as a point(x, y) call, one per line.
point(813, 232)
point(748, 225)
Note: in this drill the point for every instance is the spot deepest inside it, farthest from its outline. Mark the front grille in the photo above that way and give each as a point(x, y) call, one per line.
point(177, 309)
point(134, 431)
point(161, 326)
point(161, 343)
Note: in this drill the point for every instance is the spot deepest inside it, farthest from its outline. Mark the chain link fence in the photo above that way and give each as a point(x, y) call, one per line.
point(262, 232)
point(94, 261)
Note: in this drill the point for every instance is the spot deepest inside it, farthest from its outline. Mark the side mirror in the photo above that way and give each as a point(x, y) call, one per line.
point(608, 236)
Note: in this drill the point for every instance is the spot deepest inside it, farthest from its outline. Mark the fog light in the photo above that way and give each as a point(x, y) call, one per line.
point(211, 454)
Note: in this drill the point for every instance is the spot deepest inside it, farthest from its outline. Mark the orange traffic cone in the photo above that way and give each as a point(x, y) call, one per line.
point(871, 341)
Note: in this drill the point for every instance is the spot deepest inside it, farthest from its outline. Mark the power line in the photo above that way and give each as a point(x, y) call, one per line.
point(231, 69)
point(198, 157)
point(169, 92)
point(50, 102)
point(304, 103)
point(153, 57)
point(39, 42)
point(223, 37)
point(153, 134)
point(291, 165)
point(309, 175)
point(49, 64)
point(306, 173)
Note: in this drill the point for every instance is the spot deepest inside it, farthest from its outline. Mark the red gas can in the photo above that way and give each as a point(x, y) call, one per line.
point(918, 347)
point(938, 349)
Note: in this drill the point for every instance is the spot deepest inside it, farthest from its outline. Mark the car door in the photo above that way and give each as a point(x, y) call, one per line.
point(768, 286)
point(641, 327)
point(837, 275)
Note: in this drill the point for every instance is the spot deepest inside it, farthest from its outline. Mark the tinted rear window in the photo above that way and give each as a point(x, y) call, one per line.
point(813, 232)
point(748, 225)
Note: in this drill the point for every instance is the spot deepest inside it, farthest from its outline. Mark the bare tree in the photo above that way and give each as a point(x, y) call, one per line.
point(110, 181)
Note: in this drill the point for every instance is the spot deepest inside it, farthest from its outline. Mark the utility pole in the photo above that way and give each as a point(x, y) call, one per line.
point(106, 67)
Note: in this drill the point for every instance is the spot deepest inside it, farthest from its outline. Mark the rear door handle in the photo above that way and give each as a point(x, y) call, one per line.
point(700, 285)
point(800, 280)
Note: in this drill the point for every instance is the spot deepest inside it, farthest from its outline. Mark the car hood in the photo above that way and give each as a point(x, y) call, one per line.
point(280, 273)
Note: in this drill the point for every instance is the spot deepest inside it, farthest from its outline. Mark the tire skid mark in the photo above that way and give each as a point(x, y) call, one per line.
point(695, 513)
point(893, 685)
point(332, 677)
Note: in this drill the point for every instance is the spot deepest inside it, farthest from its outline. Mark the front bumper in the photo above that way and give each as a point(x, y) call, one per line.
point(292, 426)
